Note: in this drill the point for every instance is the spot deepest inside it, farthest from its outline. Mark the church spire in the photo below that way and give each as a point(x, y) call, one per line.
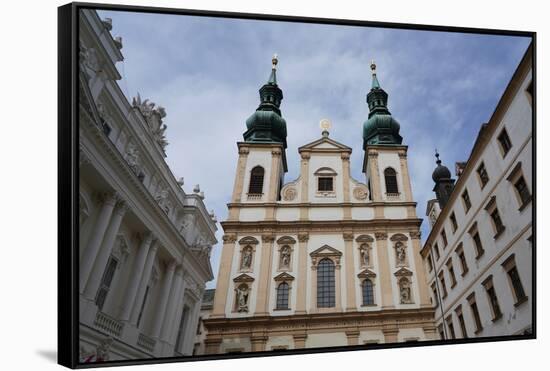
point(267, 123)
point(381, 127)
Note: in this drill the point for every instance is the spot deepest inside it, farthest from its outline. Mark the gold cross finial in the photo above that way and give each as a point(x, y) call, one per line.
point(274, 61)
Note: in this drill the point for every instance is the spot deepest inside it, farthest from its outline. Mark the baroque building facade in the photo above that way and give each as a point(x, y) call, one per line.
point(324, 260)
point(144, 243)
point(478, 255)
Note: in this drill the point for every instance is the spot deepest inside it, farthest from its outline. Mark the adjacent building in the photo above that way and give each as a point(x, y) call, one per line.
point(478, 255)
point(325, 259)
point(144, 243)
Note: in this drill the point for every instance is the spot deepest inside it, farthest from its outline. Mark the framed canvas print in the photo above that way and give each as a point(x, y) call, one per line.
point(236, 185)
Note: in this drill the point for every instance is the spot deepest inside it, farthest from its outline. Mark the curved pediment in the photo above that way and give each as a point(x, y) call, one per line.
point(399, 237)
point(325, 171)
point(286, 240)
point(364, 238)
point(248, 240)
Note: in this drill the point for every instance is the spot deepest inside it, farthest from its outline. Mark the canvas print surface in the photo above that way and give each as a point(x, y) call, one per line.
point(267, 186)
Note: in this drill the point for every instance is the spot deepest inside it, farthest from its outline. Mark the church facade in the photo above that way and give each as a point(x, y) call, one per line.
point(324, 260)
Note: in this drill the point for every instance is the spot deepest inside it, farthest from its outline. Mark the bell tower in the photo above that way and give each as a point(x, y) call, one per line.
point(262, 158)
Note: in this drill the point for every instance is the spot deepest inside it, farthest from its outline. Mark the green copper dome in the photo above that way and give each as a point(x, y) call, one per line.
point(267, 123)
point(381, 127)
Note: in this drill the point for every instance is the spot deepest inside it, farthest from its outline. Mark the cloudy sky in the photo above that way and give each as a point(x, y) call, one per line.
point(207, 71)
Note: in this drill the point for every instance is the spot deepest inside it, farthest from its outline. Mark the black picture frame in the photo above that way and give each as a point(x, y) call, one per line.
point(68, 175)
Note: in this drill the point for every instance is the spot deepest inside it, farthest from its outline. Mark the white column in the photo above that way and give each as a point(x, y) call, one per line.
point(161, 308)
point(137, 273)
point(192, 328)
point(105, 251)
point(168, 322)
point(144, 282)
point(177, 316)
point(97, 234)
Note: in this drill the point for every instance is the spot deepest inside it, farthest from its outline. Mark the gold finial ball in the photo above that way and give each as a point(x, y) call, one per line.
point(373, 66)
point(274, 60)
point(325, 124)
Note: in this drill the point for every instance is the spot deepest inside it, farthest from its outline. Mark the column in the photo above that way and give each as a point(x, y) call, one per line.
point(304, 192)
point(313, 304)
point(375, 183)
point(421, 279)
point(264, 282)
point(405, 176)
point(346, 180)
point(338, 284)
point(384, 269)
point(299, 340)
point(351, 304)
point(137, 273)
point(89, 255)
point(169, 321)
point(240, 175)
point(161, 307)
point(96, 274)
point(151, 256)
point(302, 274)
point(353, 337)
point(177, 316)
point(224, 276)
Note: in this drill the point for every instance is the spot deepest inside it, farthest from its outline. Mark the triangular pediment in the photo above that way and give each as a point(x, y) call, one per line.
point(243, 278)
point(325, 143)
point(325, 250)
point(284, 277)
point(403, 272)
point(367, 273)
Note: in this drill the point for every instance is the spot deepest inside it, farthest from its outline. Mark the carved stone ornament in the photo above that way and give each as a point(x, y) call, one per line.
point(102, 350)
point(400, 254)
point(303, 237)
point(132, 158)
point(367, 273)
point(289, 193)
point(153, 115)
point(283, 277)
point(364, 238)
point(345, 156)
point(403, 272)
point(284, 257)
point(347, 236)
point(361, 193)
point(243, 293)
point(90, 60)
point(268, 238)
point(248, 240)
point(243, 278)
point(399, 237)
point(246, 258)
point(276, 153)
point(415, 235)
point(229, 238)
point(244, 151)
point(305, 155)
point(325, 251)
point(162, 199)
point(405, 291)
point(286, 240)
point(365, 255)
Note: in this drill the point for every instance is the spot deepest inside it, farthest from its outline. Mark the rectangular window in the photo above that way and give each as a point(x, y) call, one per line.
point(475, 312)
point(466, 201)
point(453, 222)
point(462, 258)
point(477, 241)
point(509, 266)
point(497, 222)
point(451, 272)
point(461, 322)
point(482, 174)
point(434, 292)
point(443, 286)
point(106, 281)
point(450, 326)
point(523, 191)
point(436, 251)
point(504, 141)
point(492, 296)
point(444, 237)
point(325, 184)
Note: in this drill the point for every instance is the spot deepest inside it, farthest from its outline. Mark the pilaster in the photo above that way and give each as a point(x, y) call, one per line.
point(302, 273)
point(224, 273)
point(351, 304)
point(384, 269)
point(264, 283)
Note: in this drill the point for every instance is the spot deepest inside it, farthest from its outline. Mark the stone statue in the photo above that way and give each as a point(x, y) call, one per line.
point(364, 253)
point(405, 291)
point(401, 253)
point(247, 258)
point(180, 181)
point(162, 200)
point(132, 158)
point(242, 299)
point(153, 115)
point(102, 351)
point(285, 257)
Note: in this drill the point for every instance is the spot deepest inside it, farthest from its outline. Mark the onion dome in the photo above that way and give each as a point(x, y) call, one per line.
point(266, 124)
point(381, 127)
point(441, 172)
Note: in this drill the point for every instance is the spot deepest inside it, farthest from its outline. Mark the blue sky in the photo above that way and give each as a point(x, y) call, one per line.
point(207, 71)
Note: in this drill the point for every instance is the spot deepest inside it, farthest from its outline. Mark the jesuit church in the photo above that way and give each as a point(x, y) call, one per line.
point(323, 260)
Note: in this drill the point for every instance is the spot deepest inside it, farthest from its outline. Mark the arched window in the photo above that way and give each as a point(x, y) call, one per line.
point(282, 296)
point(368, 293)
point(325, 284)
point(391, 180)
point(256, 180)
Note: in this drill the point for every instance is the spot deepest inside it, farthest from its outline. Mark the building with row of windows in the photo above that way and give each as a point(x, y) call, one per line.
point(478, 255)
point(144, 242)
point(323, 260)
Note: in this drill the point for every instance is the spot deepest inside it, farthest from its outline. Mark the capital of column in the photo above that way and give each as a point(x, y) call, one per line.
point(372, 154)
point(345, 156)
point(268, 238)
point(347, 236)
point(381, 235)
point(229, 238)
point(244, 152)
point(305, 155)
point(109, 198)
point(171, 265)
point(179, 270)
point(276, 153)
point(121, 207)
point(415, 235)
point(303, 237)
